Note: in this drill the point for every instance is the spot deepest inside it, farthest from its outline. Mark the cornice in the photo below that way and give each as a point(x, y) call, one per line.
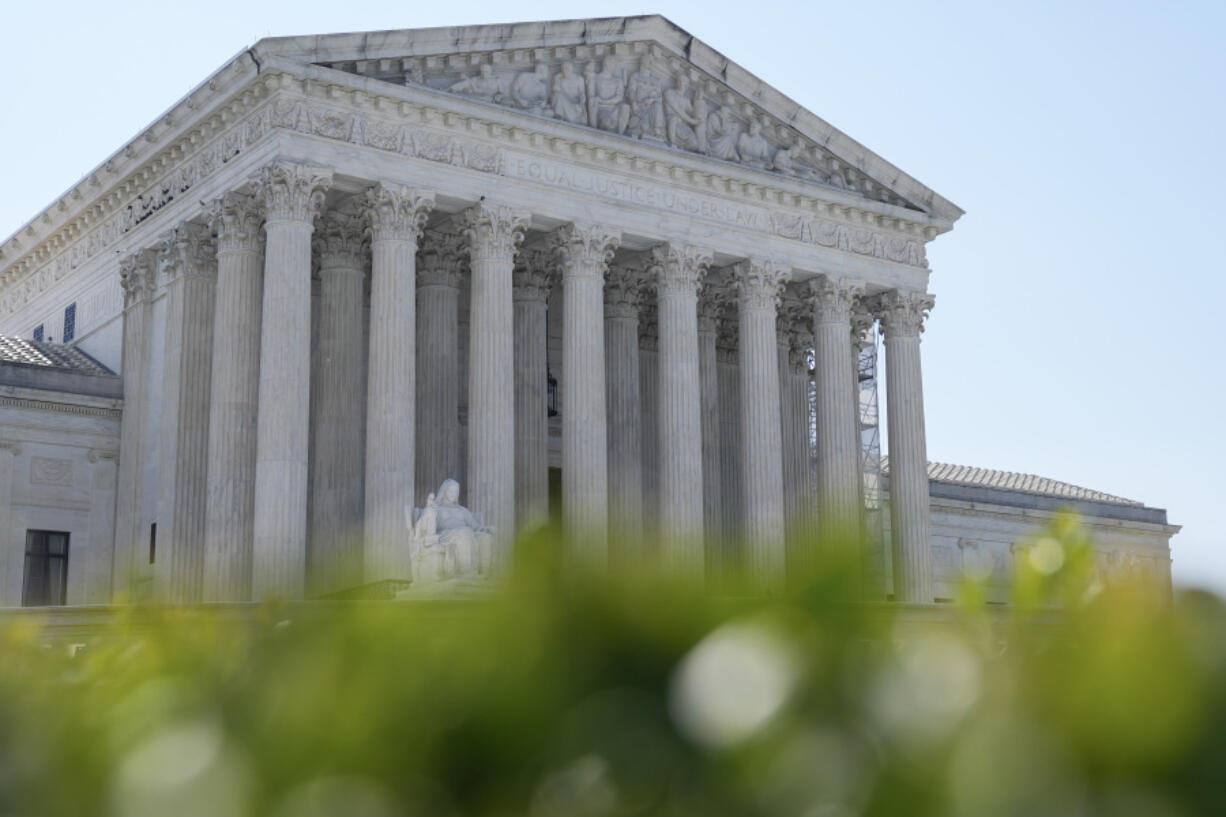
point(429, 125)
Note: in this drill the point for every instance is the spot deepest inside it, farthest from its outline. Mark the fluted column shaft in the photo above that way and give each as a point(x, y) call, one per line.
point(838, 468)
point(10, 533)
point(189, 261)
point(292, 196)
point(730, 448)
point(494, 232)
point(441, 261)
point(336, 458)
point(583, 253)
point(397, 215)
point(759, 286)
point(622, 395)
point(531, 282)
point(649, 405)
point(709, 307)
point(680, 270)
point(792, 486)
point(137, 276)
point(902, 318)
point(230, 503)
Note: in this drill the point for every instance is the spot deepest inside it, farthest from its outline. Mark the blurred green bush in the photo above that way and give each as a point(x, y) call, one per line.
point(572, 696)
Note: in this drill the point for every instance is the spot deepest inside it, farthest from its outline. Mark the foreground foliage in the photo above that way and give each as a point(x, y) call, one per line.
point(573, 698)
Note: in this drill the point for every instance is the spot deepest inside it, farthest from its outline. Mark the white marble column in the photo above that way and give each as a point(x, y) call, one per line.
point(441, 261)
point(787, 424)
point(583, 252)
point(292, 195)
point(838, 437)
point(622, 293)
point(796, 443)
point(337, 470)
point(11, 544)
point(649, 406)
point(710, 305)
point(188, 259)
point(397, 215)
point(235, 380)
point(494, 232)
point(679, 270)
point(902, 320)
point(138, 276)
point(759, 285)
point(731, 521)
point(531, 282)
point(103, 470)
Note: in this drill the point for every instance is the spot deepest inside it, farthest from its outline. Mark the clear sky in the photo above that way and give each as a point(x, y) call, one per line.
point(1078, 330)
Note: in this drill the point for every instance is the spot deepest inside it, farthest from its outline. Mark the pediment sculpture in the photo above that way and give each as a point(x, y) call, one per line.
point(447, 541)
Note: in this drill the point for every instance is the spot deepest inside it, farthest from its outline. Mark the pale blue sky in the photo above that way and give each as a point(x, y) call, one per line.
point(1078, 329)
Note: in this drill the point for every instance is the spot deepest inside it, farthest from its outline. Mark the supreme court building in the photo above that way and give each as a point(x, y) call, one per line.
point(590, 254)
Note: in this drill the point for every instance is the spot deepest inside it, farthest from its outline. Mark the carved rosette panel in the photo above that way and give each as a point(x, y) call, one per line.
point(442, 258)
point(236, 220)
point(292, 192)
point(834, 298)
point(584, 250)
point(338, 240)
point(679, 268)
point(533, 275)
point(138, 276)
point(493, 229)
point(759, 284)
point(903, 313)
point(188, 250)
point(50, 471)
point(397, 213)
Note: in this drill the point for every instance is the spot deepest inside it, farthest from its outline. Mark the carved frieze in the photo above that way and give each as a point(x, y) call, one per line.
point(51, 471)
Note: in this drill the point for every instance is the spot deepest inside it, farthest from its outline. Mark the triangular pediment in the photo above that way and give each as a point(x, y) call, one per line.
point(640, 78)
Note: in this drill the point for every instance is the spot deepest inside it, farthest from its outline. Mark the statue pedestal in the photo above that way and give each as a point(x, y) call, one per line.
point(459, 587)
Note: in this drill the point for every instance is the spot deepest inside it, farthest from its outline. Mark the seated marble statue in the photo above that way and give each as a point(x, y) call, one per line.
point(448, 540)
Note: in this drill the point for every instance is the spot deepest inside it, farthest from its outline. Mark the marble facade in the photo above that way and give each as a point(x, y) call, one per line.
point(350, 264)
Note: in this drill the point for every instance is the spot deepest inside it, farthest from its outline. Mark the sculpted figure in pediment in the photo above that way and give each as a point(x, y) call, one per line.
point(683, 125)
point(606, 97)
point(791, 161)
point(530, 90)
point(484, 86)
point(722, 132)
point(754, 149)
point(646, 106)
point(570, 96)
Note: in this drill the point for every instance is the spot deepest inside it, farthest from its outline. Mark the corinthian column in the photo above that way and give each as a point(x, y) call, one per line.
point(759, 286)
point(710, 305)
point(530, 284)
point(902, 320)
point(494, 232)
point(583, 252)
point(189, 264)
point(679, 269)
point(441, 261)
point(838, 434)
point(649, 407)
point(137, 276)
point(292, 197)
point(397, 215)
point(230, 503)
point(336, 459)
point(621, 331)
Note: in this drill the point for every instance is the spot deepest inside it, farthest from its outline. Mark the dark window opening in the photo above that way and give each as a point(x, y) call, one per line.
point(70, 322)
point(153, 542)
point(46, 576)
point(38, 333)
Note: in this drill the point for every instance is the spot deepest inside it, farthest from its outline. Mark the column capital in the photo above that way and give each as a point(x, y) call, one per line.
point(494, 228)
point(11, 447)
point(236, 219)
point(187, 250)
point(397, 212)
point(532, 276)
point(623, 291)
point(862, 320)
point(138, 276)
point(759, 283)
point(679, 268)
point(903, 312)
point(713, 301)
point(834, 298)
point(338, 241)
point(292, 192)
point(441, 258)
point(583, 250)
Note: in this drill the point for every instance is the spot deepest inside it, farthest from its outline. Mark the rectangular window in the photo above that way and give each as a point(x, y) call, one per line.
point(38, 333)
point(70, 322)
point(46, 579)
